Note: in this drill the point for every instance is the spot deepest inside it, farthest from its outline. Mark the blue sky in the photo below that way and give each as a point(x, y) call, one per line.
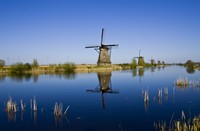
point(57, 31)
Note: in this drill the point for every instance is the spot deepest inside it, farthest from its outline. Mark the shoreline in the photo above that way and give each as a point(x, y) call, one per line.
point(79, 68)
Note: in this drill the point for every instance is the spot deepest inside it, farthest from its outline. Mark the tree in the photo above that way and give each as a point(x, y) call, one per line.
point(17, 68)
point(133, 64)
point(2, 63)
point(35, 63)
point(190, 66)
point(69, 67)
point(27, 67)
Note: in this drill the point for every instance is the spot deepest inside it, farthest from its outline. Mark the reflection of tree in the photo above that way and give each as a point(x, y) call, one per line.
point(20, 77)
point(190, 70)
point(69, 75)
point(16, 77)
point(134, 72)
point(141, 71)
point(138, 71)
point(27, 76)
point(35, 78)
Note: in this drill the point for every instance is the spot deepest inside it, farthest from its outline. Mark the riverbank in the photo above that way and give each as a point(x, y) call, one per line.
point(69, 68)
point(76, 68)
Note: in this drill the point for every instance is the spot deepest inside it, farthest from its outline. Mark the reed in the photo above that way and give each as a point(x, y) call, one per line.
point(11, 106)
point(182, 82)
point(166, 91)
point(191, 124)
point(195, 84)
point(23, 105)
point(34, 104)
point(146, 96)
point(58, 109)
point(159, 93)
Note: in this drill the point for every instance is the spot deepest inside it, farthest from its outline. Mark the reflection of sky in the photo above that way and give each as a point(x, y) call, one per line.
point(127, 107)
point(57, 31)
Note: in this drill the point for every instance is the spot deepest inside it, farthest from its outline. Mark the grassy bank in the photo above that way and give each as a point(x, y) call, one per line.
point(20, 68)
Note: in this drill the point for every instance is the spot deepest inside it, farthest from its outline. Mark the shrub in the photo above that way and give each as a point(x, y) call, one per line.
point(20, 68)
point(35, 63)
point(17, 68)
point(133, 64)
point(69, 67)
point(27, 67)
point(190, 66)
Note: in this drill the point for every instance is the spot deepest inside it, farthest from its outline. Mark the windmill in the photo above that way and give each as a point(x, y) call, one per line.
point(159, 63)
point(104, 52)
point(104, 86)
point(140, 60)
point(153, 61)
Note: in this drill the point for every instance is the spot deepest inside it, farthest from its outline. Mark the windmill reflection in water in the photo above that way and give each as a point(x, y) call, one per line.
point(104, 86)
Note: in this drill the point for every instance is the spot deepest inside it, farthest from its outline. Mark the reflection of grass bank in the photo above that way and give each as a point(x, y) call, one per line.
point(20, 68)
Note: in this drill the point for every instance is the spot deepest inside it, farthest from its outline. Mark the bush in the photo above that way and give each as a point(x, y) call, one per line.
point(133, 64)
point(35, 63)
point(148, 65)
point(69, 67)
point(125, 66)
point(27, 67)
point(190, 66)
point(20, 68)
point(17, 68)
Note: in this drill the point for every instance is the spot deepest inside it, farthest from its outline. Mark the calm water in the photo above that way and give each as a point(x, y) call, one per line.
point(111, 101)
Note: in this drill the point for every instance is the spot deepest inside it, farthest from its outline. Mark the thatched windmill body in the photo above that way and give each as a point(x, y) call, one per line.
point(159, 63)
point(153, 62)
point(104, 52)
point(140, 60)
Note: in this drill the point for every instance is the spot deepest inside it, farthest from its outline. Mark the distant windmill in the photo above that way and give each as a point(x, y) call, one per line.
point(153, 62)
point(103, 50)
point(140, 60)
point(159, 63)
